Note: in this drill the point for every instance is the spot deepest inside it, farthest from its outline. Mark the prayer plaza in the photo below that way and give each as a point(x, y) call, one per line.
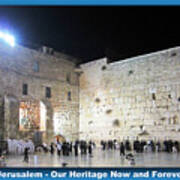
point(99, 159)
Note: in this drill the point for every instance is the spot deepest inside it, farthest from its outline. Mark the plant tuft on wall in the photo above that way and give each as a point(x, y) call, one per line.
point(130, 72)
point(103, 68)
point(97, 100)
point(116, 123)
point(109, 111)
point(163, 119)
point(90, 122)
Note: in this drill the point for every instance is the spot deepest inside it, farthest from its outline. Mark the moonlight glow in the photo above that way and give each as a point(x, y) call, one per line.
point(7, 38)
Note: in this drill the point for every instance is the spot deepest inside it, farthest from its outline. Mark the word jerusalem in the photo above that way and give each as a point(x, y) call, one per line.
point(24, 174)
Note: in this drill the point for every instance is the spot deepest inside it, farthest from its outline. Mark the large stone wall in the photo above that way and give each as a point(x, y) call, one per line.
point(136, 97)
point(16, 69)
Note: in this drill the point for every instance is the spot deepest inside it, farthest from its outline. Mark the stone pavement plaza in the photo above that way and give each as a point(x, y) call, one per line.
point(100, 159)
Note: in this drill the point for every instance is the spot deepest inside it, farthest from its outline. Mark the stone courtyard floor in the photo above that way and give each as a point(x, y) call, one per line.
point(100, 158)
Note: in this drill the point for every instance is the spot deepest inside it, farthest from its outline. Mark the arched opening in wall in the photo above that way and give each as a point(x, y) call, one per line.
point(32, 118)
point(59, 119)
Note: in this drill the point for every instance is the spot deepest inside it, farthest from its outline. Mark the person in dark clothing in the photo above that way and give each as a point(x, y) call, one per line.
point(136, 146)
point(76, 148)
point(103, 145)
point(109, 144)
point(170, 145)
point(122, 149)
point(176, 144)
point(67, 149)
point(94, 144)
point(81, 147)
point(63, 149)
point(85, 147)
point(153, 148)
point(90, 148)
point(127, 145)
point(158, 145)
point(165, 146)
point(26, 155)
point(70, 147)
point(52, 148)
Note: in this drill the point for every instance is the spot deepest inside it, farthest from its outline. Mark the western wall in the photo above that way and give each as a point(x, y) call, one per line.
point(135, 97)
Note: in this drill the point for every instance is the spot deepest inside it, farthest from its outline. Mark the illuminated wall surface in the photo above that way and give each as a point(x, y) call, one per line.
point(136, 97)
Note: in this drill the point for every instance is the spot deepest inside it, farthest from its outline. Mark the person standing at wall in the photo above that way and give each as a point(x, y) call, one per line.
point(176, 144)
point(127, 145)
point(52, 149)
point(76, 148)
point(85, 147)
point(90, 148)
point(122, 149)
point(70, 147)
point(26, 154)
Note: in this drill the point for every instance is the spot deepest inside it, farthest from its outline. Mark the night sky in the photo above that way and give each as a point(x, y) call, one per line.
point(94, 32)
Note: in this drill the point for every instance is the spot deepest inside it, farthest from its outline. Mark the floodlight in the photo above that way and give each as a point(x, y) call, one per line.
point(7, 38)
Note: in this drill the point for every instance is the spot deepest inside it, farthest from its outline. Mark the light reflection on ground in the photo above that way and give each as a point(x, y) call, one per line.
point(100, 158)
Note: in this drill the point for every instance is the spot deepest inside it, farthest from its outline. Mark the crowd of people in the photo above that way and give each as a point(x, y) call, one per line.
point(63, 149)
point(68, 148)
point(82, 147)
point(15, 146)
point(19, 147)
point(141, 146)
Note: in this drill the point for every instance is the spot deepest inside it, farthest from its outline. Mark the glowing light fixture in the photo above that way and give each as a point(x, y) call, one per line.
point(7, 38)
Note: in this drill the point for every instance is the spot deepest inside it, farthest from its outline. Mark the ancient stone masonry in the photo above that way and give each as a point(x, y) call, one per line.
point(135, 97)
point(38, 71)
point(45, 93)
